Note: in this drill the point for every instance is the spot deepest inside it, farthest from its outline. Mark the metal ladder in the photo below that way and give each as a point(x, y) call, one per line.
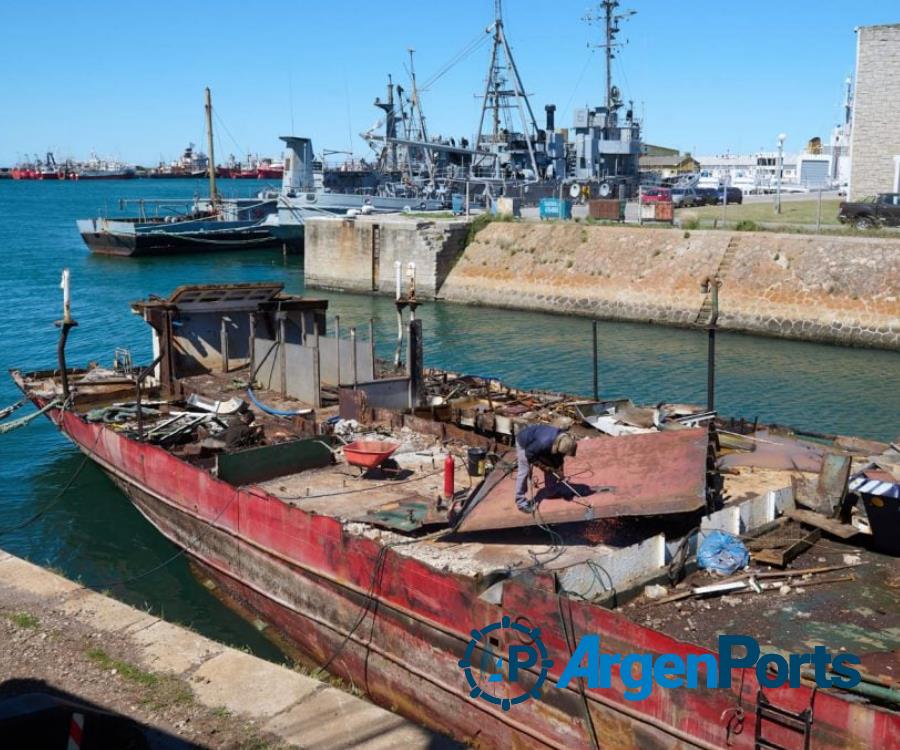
point(724, 266)
point(765, 711)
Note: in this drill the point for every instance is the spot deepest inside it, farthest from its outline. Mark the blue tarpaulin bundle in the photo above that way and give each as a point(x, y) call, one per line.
point(722, 553)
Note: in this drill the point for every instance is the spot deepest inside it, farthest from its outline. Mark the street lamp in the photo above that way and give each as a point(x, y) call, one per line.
point(781, 139)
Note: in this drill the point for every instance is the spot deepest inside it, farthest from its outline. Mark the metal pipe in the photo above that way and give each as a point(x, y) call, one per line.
point(223, 341)
point(399, 351)
point(711, 346)
point(353, 353)
point(781, 139)
point(138, 387)
point(282, 340)
point(65, 325)
point(372, 342)
point(337, 333)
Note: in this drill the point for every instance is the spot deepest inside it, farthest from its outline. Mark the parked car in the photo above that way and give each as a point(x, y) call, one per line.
point(734, 195)
point(656, 195)
point(686, 197)
point(869, 213)
point(710, 196)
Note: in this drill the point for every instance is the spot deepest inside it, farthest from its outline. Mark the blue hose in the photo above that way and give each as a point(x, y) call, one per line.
point(274, 412)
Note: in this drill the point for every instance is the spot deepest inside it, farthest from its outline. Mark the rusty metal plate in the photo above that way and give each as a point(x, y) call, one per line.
point(651, 474)
point(779, 453)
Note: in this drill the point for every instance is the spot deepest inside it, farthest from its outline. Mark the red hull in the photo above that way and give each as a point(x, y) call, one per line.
point(309, 577)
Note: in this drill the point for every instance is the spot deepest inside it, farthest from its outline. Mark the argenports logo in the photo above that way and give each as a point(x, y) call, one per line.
point(490, 670)
point(527, 662)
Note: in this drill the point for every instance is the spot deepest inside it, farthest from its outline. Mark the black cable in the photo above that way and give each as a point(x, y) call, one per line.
point(181, 551)
point(59, 494)
point(373, 583)
point(570, 646)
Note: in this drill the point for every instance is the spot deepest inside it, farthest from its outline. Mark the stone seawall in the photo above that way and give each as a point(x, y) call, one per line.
point(819, 288)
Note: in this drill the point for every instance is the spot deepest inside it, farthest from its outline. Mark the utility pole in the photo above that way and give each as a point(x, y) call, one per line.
point(780, 168)
point(213, 197)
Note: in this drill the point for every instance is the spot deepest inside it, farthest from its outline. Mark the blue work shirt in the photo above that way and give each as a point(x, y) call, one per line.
point(537, 441)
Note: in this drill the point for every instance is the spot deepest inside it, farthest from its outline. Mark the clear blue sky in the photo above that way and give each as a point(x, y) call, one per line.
point(127, 78)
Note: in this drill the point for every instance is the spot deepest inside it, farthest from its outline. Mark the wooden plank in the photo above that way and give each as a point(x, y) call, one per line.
point(810, 518)
point(780, 558)
point(269, 461)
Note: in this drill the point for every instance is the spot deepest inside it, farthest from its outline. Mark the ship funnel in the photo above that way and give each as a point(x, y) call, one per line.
point(298, 165)
point(550, 109)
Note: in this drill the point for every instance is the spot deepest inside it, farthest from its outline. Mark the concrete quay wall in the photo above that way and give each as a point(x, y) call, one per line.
point(358, 254)
point(840, 290)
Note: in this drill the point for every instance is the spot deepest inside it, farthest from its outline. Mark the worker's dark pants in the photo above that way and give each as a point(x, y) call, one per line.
point(552, 485)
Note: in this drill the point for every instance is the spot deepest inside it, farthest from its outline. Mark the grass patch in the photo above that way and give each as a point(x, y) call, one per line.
point(431, 215)
point(745, 225)
point(481, 221)
point(24, 620)
point(792, 212)
point(128, 671)
point(162, 690)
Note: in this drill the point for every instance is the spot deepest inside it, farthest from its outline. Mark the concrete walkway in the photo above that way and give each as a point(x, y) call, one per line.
point(296, 709)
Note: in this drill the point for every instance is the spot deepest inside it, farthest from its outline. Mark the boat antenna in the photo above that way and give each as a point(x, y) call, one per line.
point(610, 20)
point(499, 98)
point(213, 197)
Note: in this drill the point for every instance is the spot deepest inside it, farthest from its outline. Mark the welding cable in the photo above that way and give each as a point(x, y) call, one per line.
point(370, 597)
point(571, 640)
point(259, 404)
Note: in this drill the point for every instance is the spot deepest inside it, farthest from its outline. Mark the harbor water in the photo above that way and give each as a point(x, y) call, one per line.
point(92, 533)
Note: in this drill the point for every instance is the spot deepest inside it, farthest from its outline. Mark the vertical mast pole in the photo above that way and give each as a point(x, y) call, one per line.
point(610, 5)
point(213, 197)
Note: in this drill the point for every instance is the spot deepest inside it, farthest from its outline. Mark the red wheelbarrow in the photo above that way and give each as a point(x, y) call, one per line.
point(369, 454)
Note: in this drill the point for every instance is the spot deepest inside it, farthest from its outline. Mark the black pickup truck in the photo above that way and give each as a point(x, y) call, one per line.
point(880, 211)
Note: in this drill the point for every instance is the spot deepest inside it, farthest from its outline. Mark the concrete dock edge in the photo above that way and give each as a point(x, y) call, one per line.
point(298, 710)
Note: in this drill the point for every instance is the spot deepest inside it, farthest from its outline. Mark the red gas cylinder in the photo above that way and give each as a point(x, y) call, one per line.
point(449, 471)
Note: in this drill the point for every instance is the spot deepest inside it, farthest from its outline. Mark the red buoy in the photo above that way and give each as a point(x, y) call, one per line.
point(449, 471)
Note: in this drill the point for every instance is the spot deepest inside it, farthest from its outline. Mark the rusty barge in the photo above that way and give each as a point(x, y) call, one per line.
point(382, 577)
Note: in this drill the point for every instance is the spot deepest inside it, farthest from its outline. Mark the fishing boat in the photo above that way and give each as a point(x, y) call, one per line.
point(213, 224)
point(413, 580)
point(96, 168)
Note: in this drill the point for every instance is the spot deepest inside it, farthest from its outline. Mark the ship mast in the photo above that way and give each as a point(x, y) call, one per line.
point(611, 21)
point(213, 197)
point(497, 95)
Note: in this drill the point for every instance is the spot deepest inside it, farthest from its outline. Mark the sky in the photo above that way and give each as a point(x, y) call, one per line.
point(126, 79)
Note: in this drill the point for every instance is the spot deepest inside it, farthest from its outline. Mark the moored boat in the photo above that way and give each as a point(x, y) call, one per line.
point(214, 224)
point(373, 578)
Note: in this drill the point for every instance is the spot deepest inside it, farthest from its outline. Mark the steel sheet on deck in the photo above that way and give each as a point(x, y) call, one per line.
point(655, 473)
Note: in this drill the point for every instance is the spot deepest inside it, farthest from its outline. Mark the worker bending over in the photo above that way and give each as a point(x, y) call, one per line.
point(546, 447)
